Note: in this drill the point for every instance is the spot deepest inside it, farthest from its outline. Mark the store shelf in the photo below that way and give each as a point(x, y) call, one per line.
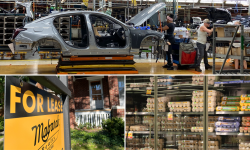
point(232, 133)
point(233, 112)
point(230, 39)
point(232, 56)
point(165, 113)
point(180, 133)
point(139, 113)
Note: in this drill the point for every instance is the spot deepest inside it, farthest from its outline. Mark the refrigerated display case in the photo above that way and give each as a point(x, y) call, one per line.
point(188, 112)
point(167, 112)
point(232, 112)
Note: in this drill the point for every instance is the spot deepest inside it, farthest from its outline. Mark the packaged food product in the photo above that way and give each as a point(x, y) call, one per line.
point(228, 119)
point(211, 109)
point(245, 97)
point(245, 108)
point(197, 104)
point(197, 98)
point(245, 124)
point(179, 104)
point(245, 103)
point(227, 124)
point(245, 129)
point(219, 129)
point(197, 109)
point(227, 108)
point(230, 103)
point(180, 109)
point(246, 119)
point(230, 98)
point(213, 143)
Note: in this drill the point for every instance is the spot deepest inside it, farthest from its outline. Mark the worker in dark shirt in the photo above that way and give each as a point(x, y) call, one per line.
point(169, 37)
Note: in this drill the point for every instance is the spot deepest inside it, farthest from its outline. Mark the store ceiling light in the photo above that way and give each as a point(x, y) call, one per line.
point(243, 2)
point(212, 1)
point(187, 1)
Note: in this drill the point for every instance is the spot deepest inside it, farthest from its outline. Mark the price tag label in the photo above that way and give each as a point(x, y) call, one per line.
point(130, 135)
point(216, 85)
point(149, 90)
point(128, 89)
point(170, 116)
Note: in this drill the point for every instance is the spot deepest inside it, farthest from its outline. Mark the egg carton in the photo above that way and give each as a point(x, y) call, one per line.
point(246, 124)
point(245, 129)
point(229, 119)
point(227, 124)
point(180, 109)
point(188, 142)
point(179, 104)
point(245, 103)
point(245, 108)
point(228, 108)
point(197, 99)
point(198, 93)
point(197, 109)
point(245, 97)
point(231, 98)
point(246, 119)
point(200, 129)
point(230, 103)
point(219, 129)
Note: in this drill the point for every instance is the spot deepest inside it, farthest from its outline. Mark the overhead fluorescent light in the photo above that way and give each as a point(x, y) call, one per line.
point(212, 1)
point(243, 2)
point(187, 1)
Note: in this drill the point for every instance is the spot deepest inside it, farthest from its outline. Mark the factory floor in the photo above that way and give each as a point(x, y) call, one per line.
point(34, 65)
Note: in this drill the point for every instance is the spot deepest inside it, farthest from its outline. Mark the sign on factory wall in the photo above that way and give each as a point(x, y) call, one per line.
point(33, 118)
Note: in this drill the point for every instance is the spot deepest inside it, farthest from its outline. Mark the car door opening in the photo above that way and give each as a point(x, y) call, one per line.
point(108, 34)
point(73, 30)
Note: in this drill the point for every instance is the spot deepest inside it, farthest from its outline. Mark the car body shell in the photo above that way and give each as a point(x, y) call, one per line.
point(43, 31)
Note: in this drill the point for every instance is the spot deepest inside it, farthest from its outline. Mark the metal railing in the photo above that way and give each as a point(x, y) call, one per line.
point(95, 118)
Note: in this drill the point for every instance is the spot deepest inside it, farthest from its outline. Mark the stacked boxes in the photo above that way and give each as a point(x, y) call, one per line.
point(245, 102)
point(198, 80)
point(229, 103)
point(244, 145)
point(181, 124)
point(227, 124)
point(179, 106)
point(162, 104)
point(245, 125)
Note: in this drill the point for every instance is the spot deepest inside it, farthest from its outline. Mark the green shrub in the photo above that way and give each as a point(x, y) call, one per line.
point(114, 126)
point(81, 126)
point(1, 123)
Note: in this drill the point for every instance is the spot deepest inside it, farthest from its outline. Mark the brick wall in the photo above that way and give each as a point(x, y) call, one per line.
point(118, 111)
point(81, 99)
point(113, 90)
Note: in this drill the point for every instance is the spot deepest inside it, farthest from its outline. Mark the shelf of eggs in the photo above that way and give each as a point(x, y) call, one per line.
point(199, 80)
point(161, 82)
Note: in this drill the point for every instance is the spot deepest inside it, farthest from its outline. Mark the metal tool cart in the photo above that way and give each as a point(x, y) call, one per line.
point(152, 120)
point(242, 39)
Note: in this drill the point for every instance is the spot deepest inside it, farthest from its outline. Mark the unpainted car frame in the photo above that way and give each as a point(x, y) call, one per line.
point(42, 30)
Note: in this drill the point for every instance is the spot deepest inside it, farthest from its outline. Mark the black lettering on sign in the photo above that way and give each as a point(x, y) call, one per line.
point(28, 100)
point(42, 132)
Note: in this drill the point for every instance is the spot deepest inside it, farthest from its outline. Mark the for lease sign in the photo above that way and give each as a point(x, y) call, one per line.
point(33, 118)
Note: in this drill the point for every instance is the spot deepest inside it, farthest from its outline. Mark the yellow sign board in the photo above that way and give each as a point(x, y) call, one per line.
point(33, 118)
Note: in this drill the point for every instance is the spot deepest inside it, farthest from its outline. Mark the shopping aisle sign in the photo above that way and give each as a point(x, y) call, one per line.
point(33, 118)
